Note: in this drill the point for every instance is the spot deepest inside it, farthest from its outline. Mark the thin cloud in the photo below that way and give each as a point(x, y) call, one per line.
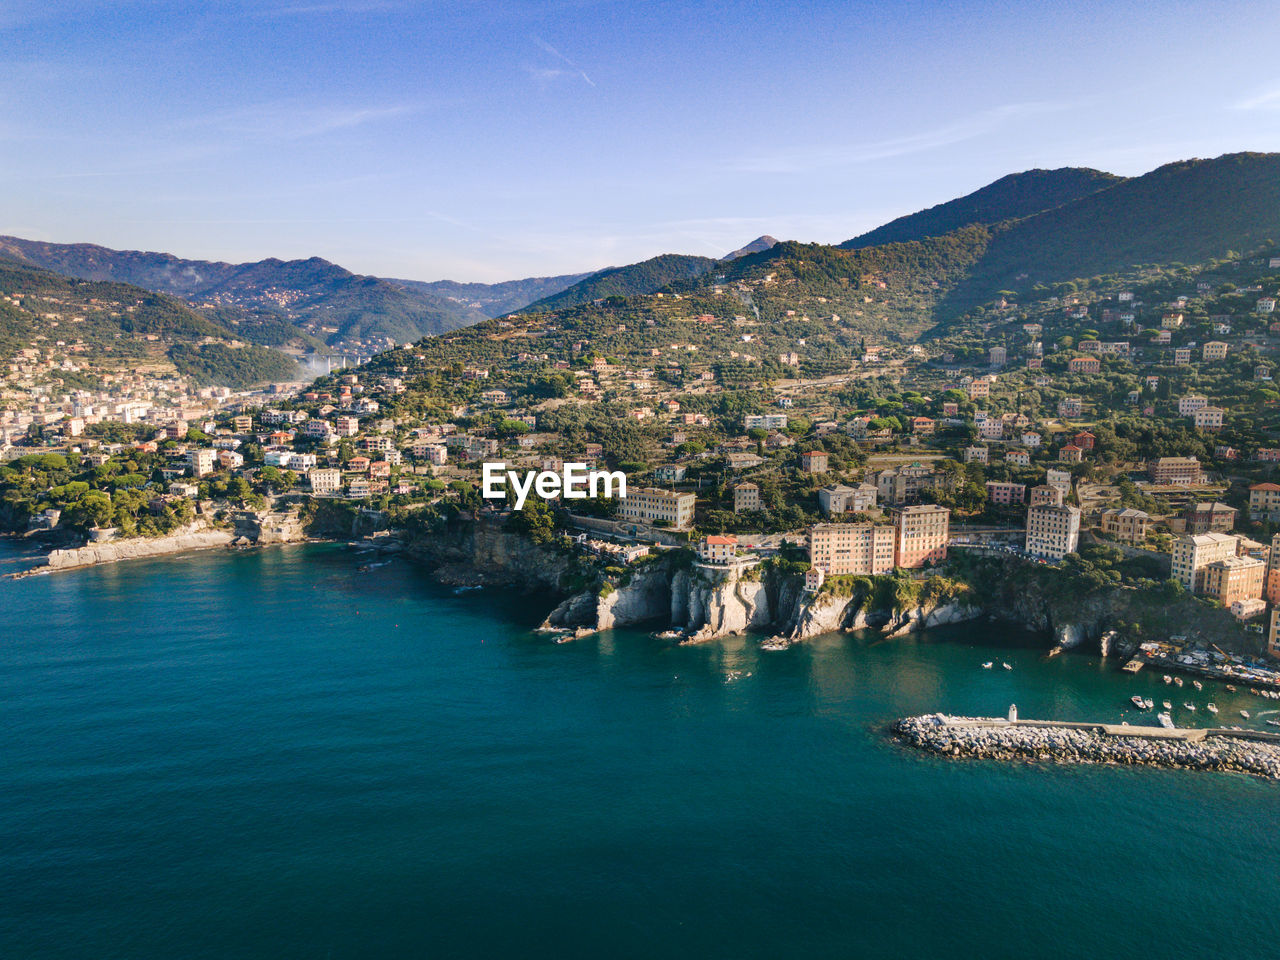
point(353, 7)
point(1268, 100)
point(957, 131)
point(576, 70)
point(288, 121)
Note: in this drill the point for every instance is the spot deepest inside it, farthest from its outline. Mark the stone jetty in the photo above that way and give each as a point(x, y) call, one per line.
point(1237, 751)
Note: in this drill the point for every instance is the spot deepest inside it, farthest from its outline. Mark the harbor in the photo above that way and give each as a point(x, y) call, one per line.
point(1219, 749)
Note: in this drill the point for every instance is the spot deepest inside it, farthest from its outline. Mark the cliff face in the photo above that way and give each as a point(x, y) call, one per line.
point(194, 537)
point(487, 551)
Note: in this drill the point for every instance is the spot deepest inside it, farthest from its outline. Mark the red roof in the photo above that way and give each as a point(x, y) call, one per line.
point(722, 541)
point(1265, 486)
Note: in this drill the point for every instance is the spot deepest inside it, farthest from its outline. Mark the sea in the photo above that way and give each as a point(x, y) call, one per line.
point(292, 753)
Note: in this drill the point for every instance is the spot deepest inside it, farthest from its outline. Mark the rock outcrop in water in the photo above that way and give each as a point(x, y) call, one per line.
point(193, 537)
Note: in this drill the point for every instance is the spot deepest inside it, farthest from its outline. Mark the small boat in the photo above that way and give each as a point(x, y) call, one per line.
point(459, 591)
point(1148, 704)
point(1273, 723)
point(1166, 721)
point(988, 665)
point(1197, 684)
point(669, 635)
point(1168, 679)
point(1138, 702)
point(1245, 714)
point(1212, 708)
point(1006, 666)
point(1190, 706)
point(1178, 681)
point(1230, 688)
point(1167, 705)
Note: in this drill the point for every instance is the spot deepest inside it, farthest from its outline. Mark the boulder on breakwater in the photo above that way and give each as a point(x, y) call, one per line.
point(1028, 740)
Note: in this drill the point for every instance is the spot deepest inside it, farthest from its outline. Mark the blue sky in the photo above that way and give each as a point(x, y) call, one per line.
point(500, 139)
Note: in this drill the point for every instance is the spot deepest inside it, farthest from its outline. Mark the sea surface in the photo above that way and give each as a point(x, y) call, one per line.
point(276, 754)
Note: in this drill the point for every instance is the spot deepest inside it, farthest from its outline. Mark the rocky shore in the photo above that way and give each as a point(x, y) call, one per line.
point(991, 739)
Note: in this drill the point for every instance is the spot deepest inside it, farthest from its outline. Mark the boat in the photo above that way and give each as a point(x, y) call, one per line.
point(1273, 723)
point(1245, 714)
point(1212, 708)
point(1138, 702)
point(1167, 705)
point(988, 665)
point(1166, 721)
point(1006, 666)
point(1148, 704)
point(459, 591)
point(1197, 684)
point(1178, 681)
point(669, 635)
point(1190, 706)
point(1230, 688)
point(1168, 679)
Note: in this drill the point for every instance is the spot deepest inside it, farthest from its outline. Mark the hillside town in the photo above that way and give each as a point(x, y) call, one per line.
point(1140, 419)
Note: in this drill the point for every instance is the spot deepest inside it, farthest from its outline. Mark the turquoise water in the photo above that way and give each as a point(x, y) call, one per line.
point(274, 755)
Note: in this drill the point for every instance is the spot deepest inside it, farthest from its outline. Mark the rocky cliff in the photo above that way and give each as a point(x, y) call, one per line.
point(485, 550)
point(194, 537)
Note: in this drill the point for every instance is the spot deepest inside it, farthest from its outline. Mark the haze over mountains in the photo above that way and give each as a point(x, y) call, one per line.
point(1025, 231)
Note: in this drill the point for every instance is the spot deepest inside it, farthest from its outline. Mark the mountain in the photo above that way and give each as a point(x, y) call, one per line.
point(320, 298)
point(108, 324)
point(758, 245)
point(496, 299)
point(1011, 197)
point(1190, 211)
point(648, 276)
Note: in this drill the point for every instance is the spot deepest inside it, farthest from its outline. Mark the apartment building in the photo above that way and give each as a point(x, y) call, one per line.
point(1006, 493)
point(922, 533)
point(1129, 525)
point(325, 481)
point(1234, 578)
point(839, 498)
point(1264, 502)
point(746, 498)
point(1208, 518)
point(897, 485)
point(1180, 470)
point(1193, 552)
point(851, 548)
point(1052, 531)
point(652, 505)
point(1044, 493)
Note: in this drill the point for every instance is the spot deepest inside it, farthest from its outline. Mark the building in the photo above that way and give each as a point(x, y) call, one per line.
point(1019, 458)
point(1044, 493)
point(1052, 531)
point(1273, 635)
point(652, 505)
point(975, 454)
point(897, 485)
point(998, 356)
point(1084, 365)
point(1208, 418)
point(1193, 552)
point(1084, 440)
point(1191, 403)
point(670, 472)
point(813, 579)
point(1071, 453)
point(1248, 609)
point(921, 534)
point(1181, 470)
point(851, 548)
point(1181, 356)
point(1006, 493)
point(717, 549)
point(839, 498)
point(746, 498)
point(1209, 518)
point(1128, 525)
point(1214, 350)
point(815, 461)
point(1234, 578)
point(325, 481)
point(201, 462)
point(1264, 502)
point(1070, 407)
point(765, 421)
point(1061, 479)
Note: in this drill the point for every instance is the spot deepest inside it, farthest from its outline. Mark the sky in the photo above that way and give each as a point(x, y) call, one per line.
point(490, 140)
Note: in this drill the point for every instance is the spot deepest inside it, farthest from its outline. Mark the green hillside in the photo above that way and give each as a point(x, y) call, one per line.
point(1011, 197)
point(647, 276)
point(496, 299)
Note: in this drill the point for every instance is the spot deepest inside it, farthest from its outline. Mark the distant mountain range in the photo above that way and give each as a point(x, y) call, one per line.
point(1038, 227)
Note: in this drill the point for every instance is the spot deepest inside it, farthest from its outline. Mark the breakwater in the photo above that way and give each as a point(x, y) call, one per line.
point(1238, 751)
